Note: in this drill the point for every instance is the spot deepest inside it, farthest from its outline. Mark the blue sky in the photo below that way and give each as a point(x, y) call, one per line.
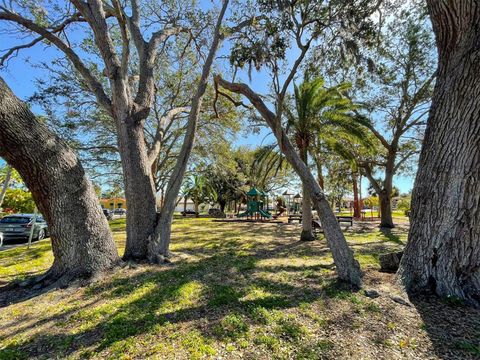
point(21, 73)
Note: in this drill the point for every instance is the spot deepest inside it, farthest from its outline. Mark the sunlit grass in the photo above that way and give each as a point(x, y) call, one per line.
point(232, 288)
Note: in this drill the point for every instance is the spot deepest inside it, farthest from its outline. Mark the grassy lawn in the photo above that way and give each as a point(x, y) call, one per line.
point(234, 291)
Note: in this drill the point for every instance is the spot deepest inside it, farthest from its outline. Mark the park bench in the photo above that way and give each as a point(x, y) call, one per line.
point(294, 217)
point(340, 219)
point(345, 219)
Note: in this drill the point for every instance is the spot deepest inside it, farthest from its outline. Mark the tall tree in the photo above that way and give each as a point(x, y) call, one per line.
point(81, 239)
point(159, 244)
point(300, 24)
point(443, 250)
point(321, 116)
point(125, 90)
point(396, 99)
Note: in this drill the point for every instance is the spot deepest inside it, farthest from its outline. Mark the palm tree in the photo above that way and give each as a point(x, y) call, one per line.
point(199, 189)
point(319, 118)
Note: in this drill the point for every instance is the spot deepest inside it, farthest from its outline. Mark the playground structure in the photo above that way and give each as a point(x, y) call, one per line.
point(256, 201)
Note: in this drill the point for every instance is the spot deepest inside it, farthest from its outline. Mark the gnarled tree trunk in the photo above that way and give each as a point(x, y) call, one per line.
point(81, 239)
point(443, 251)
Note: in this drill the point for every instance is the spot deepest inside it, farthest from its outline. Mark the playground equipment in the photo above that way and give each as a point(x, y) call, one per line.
point(255, 205)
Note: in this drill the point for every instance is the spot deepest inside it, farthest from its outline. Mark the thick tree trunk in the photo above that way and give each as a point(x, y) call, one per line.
point(357, 210)
point(385, 198)
point(139, 189)
point(443, 251)
point(81, 239)
point(5, 185)
point(348, 268)
point(307, 232)
point(196, 210)
point(222, 204)
point(159, 245)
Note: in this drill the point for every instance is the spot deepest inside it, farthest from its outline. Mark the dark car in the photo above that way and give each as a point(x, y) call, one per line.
point(120, 211)
point(19, 226)
point(108, 214)
point(189, 212)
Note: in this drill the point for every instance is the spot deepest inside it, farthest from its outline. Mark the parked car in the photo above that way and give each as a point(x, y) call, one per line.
point(189, 212)
point(19, 226)
point(108, 214)
point(119, 212)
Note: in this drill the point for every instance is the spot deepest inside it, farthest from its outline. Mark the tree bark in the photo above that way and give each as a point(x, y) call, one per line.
point(139, 189)
point(82, 243)
point(307, 232)
point(196, 209)
point(321, 180)
point(5, 185)
point(158, 248)
point(384, 192)
point(357, 210)
point(386, 220)
point(185, 206)
point(348, 268)
point(443, 251)
point(222, 204)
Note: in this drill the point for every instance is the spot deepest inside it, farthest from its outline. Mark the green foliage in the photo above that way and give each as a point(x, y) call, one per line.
point(18, 200)
point(276, 26)
point(290, 328)
point(263, 168)
point(199, 188)
point(404, 203)
point(15, 178)
point(225, 182)
point(468, 347)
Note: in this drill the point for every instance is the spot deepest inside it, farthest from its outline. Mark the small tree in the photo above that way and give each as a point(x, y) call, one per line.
point(396, 99)
point(199, 188)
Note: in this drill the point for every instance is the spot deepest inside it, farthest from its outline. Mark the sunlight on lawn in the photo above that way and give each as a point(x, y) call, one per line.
point(232, 287)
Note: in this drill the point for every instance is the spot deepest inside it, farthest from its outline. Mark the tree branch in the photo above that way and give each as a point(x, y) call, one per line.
point(159, 135)
point(369, 175)
point(94, 85)
point(404, 158)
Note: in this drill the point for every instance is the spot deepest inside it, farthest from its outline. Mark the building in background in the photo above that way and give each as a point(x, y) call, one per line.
point(113, 203)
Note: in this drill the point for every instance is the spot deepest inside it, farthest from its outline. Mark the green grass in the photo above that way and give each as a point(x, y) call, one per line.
point(232, 289)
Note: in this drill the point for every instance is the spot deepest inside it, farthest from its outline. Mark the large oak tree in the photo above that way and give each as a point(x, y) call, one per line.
point(81, 239)
point(125, 90)
point(443, 250)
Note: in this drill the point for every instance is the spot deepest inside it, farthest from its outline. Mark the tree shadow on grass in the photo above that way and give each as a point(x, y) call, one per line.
point(453, 328)
point(392, 236)
point(223, 282)
point(219, 277)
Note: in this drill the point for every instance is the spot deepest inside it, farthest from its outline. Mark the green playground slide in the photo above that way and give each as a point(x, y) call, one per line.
point(246, 213)
point(265, 213)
